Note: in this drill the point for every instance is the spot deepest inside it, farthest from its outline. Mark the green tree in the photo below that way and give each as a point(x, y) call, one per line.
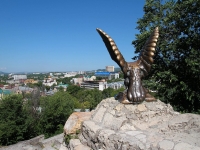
point(39, 84)
point(108, 92)
point(81, 96)
point(60, 88)
point(12, 120)
point(66, 80)
point(73, 89)
point(114, 80)
point(55, 111)
point(97, 98)
point(33, 110)
point(175, 73)
point(32, 122)
point(47, 88)
point(35, 98)
point(116, 91)
point(77, 104)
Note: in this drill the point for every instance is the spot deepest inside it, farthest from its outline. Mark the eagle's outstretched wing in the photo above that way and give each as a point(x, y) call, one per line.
point(146, 56)
point(113, 50)
point(148, 51)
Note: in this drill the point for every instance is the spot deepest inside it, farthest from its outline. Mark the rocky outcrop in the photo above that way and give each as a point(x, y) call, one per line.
point(38, 143)
point(72, 128)
point(73, 123)
point(116, 126)
point(75, 144)
point(147, 126)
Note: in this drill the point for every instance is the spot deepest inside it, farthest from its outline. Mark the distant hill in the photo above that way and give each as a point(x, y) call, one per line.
point(103, 70)
point(1, 72)
point(117, 69)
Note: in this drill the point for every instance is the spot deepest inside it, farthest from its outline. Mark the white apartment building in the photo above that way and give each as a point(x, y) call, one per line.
point(19, 77)
point(57, 73)
point(113, 76)
point(76, 80)
point(81, 72)
point(116, 85)
point(12, 81)
point(94, 85)
point(51, 74)
point(49, 82)
point(89, 78)
point(70, 74)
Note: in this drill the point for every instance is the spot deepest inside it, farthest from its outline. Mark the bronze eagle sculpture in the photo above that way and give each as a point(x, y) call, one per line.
point(133, 71)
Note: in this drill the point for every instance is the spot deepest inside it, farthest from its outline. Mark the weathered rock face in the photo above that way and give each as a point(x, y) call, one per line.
point(73, 123)
point(146, 126)
point(39, 143)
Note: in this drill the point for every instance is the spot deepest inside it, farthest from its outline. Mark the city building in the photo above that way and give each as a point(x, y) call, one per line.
point(1, 93)
point(4, 92)
point(1, 86)
point(77, 80)
point(9, 86)
point(89, 78)
point(102, 74)
point(36, 73)
point(70, 74)
point(113, 75)
point(49, 93)
point(21, 89)
point(116, 85)
point(12, 81)
point(19, 77)
point(100, 85)
point(109, 75)
point(64, 86)
point(57, 73)
point(49, 82)
point(110, 68)
point(81, 72)
point(51, 74)
point(30, 81)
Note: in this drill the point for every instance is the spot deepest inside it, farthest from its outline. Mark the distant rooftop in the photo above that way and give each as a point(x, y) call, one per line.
point(6, 92)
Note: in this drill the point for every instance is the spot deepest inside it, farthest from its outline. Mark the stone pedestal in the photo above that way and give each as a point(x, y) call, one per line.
point(147, 126)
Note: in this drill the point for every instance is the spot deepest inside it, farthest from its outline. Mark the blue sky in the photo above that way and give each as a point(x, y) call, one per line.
point(50, 35)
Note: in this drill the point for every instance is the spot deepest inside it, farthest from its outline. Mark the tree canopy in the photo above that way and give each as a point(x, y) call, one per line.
point(12, 120)
point(175, 74)
point(55, 111)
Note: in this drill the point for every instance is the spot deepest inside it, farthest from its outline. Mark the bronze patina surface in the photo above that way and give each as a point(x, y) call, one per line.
point(133, 71)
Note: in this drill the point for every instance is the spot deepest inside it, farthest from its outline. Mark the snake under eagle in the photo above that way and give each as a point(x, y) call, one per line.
point(133, 71)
